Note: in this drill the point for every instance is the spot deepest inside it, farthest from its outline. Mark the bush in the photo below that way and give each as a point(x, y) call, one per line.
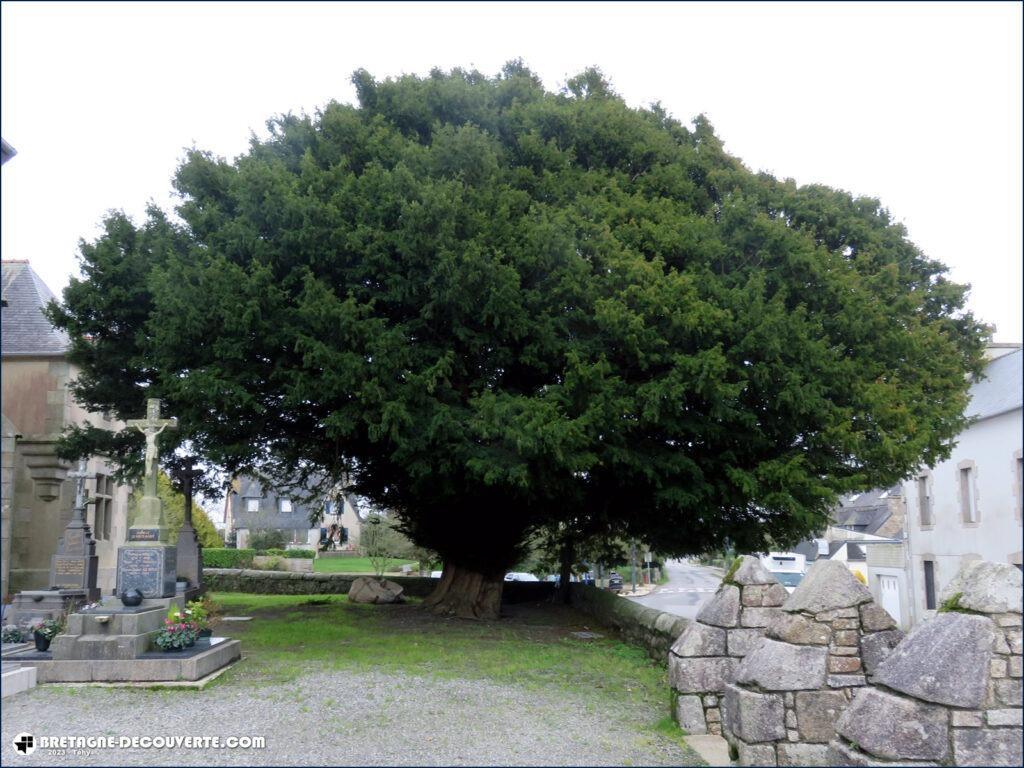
point(274, 564)
point(292, 554)
point(13, 634)
point(269, 538)
point(228, 558)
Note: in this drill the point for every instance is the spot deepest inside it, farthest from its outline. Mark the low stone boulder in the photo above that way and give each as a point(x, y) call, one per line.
point(369, 589)
point(986, 587)
point(828, 585)
point(945, 660)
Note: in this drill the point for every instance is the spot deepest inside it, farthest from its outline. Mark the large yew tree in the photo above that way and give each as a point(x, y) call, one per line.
point(495, 309)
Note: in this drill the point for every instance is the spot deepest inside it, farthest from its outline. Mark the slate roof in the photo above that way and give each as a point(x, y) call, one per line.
point(1001, 389)
point(25, 330)
point(864, 512)
point(808, 548)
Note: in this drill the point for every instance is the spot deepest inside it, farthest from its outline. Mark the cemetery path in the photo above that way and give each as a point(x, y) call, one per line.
point(342, 718)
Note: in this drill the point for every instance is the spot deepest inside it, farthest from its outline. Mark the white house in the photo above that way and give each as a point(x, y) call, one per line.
point(969, 506)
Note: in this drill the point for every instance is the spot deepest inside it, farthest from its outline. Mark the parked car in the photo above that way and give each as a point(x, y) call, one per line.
point(614, 582)
point(520, 576)
point(788, 579)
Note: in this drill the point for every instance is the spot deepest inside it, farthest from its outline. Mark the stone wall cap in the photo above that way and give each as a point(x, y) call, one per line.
point(752, 571)
point(988, 587)
point(828, 585)
point(944, 660)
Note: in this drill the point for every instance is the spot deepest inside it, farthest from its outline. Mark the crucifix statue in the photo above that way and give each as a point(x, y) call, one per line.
point(80, 476)
point(151, 427)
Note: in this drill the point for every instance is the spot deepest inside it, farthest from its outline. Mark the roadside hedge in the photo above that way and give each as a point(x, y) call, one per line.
point(227, 558)
point(293, 554)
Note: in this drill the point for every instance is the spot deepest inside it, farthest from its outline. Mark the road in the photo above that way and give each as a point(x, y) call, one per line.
point(688, 587)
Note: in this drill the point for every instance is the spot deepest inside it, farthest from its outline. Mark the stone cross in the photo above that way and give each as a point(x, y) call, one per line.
point(80, 476)
point(151, 427)
point(185, 476)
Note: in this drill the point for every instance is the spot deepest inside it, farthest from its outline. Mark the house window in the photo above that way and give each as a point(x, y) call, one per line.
point(102, 507)
point(285, 506)
point(968, 500)
point(252, 505)
point(924, 501)
point(929, 584)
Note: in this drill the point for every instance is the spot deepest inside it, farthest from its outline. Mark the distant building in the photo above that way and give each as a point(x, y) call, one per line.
point(252, 505)
point(37, 405)
point(969, 506)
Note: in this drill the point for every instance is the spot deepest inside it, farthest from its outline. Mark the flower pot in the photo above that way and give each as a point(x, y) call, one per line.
point(42, 641)
point(206, 633)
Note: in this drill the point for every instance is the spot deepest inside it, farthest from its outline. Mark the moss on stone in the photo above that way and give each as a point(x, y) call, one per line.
point(952, 605)
point(727, 579)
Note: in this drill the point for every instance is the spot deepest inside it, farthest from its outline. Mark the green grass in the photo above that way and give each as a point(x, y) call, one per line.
point(291, 634)
point(354, 565)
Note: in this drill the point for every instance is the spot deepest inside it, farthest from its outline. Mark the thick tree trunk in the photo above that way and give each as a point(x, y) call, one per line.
point(564, 575)
point(466, 593)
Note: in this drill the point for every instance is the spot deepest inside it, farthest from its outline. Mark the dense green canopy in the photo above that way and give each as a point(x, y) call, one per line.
point(494, 308)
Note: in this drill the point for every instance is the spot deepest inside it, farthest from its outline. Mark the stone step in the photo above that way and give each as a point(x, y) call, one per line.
point(100, 647)
point(16, 678)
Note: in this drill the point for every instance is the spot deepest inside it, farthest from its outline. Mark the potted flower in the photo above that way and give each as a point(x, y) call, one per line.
point(177, 633)
point(44, 631)
point(197, 612)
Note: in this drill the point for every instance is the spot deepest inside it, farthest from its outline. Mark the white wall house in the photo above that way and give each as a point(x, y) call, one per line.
point(969, 506)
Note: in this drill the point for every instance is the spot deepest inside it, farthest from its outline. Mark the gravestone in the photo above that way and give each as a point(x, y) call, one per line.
point(75, 564)
point(73, 568)
point(190, 551)
point(147, 562)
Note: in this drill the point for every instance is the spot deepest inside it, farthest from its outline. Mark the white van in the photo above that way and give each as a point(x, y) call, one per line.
point(787, 567)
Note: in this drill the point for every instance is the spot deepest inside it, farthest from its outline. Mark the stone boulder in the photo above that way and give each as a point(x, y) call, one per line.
point(945, 660)
point(754, 717)
point(700, 675)
point(722, 610)
point(797, 629)
point(783, 667)
point(894, 728)
point(987, 587)
point(752, 572)
point(369, 589)
point(828, 585)
point(700, 640)
point(876, 647)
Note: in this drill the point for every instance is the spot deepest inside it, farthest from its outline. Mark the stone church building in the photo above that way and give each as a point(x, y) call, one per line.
point(36, 406)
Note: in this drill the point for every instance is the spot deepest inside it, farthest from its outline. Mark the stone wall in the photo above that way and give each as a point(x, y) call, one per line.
point(797, 680)
point(706, 657)
point(950, 693)
point(654, 630)
point(281, 583)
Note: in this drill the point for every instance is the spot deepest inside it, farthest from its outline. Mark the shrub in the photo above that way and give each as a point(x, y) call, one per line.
point(269, 538)
point(13, 634)
point(228, 558)
point(274, 564)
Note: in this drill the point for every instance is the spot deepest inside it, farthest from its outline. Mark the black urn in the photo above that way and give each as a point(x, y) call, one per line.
point(42, 641)
point(131, 598)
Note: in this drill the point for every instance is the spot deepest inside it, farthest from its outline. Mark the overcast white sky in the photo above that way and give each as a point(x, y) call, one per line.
point(916, 104)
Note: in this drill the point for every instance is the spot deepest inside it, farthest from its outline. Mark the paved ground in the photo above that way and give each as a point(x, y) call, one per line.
point(689, 586)
point(340, 718)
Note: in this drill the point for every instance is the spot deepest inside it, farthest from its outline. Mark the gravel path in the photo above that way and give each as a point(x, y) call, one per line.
point(341, 718)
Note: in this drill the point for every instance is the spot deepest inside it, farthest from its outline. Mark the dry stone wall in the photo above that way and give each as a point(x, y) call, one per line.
point(707, 655)
point(801, 676)
point(950, 693)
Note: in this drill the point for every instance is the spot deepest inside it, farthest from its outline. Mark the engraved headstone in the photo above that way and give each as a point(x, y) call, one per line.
point(75, 564)
point(190, 562)
point(147, 563)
